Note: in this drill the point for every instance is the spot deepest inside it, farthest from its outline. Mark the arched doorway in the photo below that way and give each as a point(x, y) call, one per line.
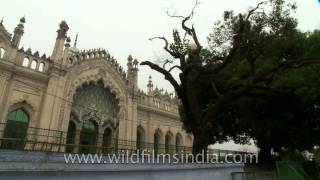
point(71, 135)
point(15, 132)
point(140, 138)
point(107, 141)
point(157, 141)
point(179, 147)
point(94, 104)
point(88, 137)
point(168, 143)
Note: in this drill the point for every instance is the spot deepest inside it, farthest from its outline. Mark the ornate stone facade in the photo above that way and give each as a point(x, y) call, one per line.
point(74, 85)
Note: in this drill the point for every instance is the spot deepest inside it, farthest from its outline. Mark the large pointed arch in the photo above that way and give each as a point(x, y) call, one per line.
point(107, 140)
point(88, 137)
point(157, 140)
point(169, 143)
point(141, 135)
point(179, 143)
point(71, 136)
point(116, 88)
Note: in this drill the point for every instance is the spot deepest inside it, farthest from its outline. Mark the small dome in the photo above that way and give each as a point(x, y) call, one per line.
point(68, 40)
point(23, 19)
point(64, 25)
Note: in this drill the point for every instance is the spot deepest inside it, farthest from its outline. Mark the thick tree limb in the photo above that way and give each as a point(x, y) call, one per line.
point(293, 64)
point(216, 89)
point(166, 74)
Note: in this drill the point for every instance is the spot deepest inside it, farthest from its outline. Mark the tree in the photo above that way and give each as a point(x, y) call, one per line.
point(240, 63)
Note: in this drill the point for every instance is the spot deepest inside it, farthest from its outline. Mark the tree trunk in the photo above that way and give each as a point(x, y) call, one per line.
point(200, 143)
point(265, 153)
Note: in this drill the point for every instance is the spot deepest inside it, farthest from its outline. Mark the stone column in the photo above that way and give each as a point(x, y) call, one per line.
point(4, 80)
point(100, 140)
point(77, 140)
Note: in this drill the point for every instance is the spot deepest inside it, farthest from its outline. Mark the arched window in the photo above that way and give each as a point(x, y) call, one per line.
point(178, 143)
point(41, 67)
point(33, 64)
point(15, 132)
point(71, 135)
point(168, 143)
point(88, 137)
point(157, 141)
point(2, 51)
point(25, 62)
point(107, 141)
point(140, 138)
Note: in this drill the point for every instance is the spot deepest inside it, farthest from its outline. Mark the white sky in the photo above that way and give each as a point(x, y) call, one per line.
point(123, 26)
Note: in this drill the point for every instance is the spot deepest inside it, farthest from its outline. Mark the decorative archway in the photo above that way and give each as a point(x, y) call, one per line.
point(16, 128)
point(115, 85)
point(93, 102)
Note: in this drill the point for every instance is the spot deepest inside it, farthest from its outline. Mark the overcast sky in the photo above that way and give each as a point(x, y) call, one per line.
point(123, 27)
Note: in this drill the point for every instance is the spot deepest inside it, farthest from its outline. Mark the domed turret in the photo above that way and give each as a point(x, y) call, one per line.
point(18, 32)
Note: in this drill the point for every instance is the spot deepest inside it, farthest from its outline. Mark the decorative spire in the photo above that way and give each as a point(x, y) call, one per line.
point(135, 63)
point(150, 84)
point(67, 45)
point(63, 28)
point(75, 41)
point(130, 58)
point(23, 20)
point(129, 64)
point(150, 79)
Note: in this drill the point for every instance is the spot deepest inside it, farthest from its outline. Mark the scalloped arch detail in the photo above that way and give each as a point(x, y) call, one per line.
point(108, 83)
point(22, 101)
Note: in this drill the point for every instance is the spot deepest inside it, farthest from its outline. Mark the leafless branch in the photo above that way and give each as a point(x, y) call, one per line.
point(252, 11)
point(190, 31)
point(174, 15)
point(166, 47)
point(166, 62)
point(176, 66)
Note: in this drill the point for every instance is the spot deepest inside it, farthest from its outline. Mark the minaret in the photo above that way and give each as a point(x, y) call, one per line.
point(18, 33)
point(59, 45)
point(66, 51)
point(150, 85)
point(133, 73)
